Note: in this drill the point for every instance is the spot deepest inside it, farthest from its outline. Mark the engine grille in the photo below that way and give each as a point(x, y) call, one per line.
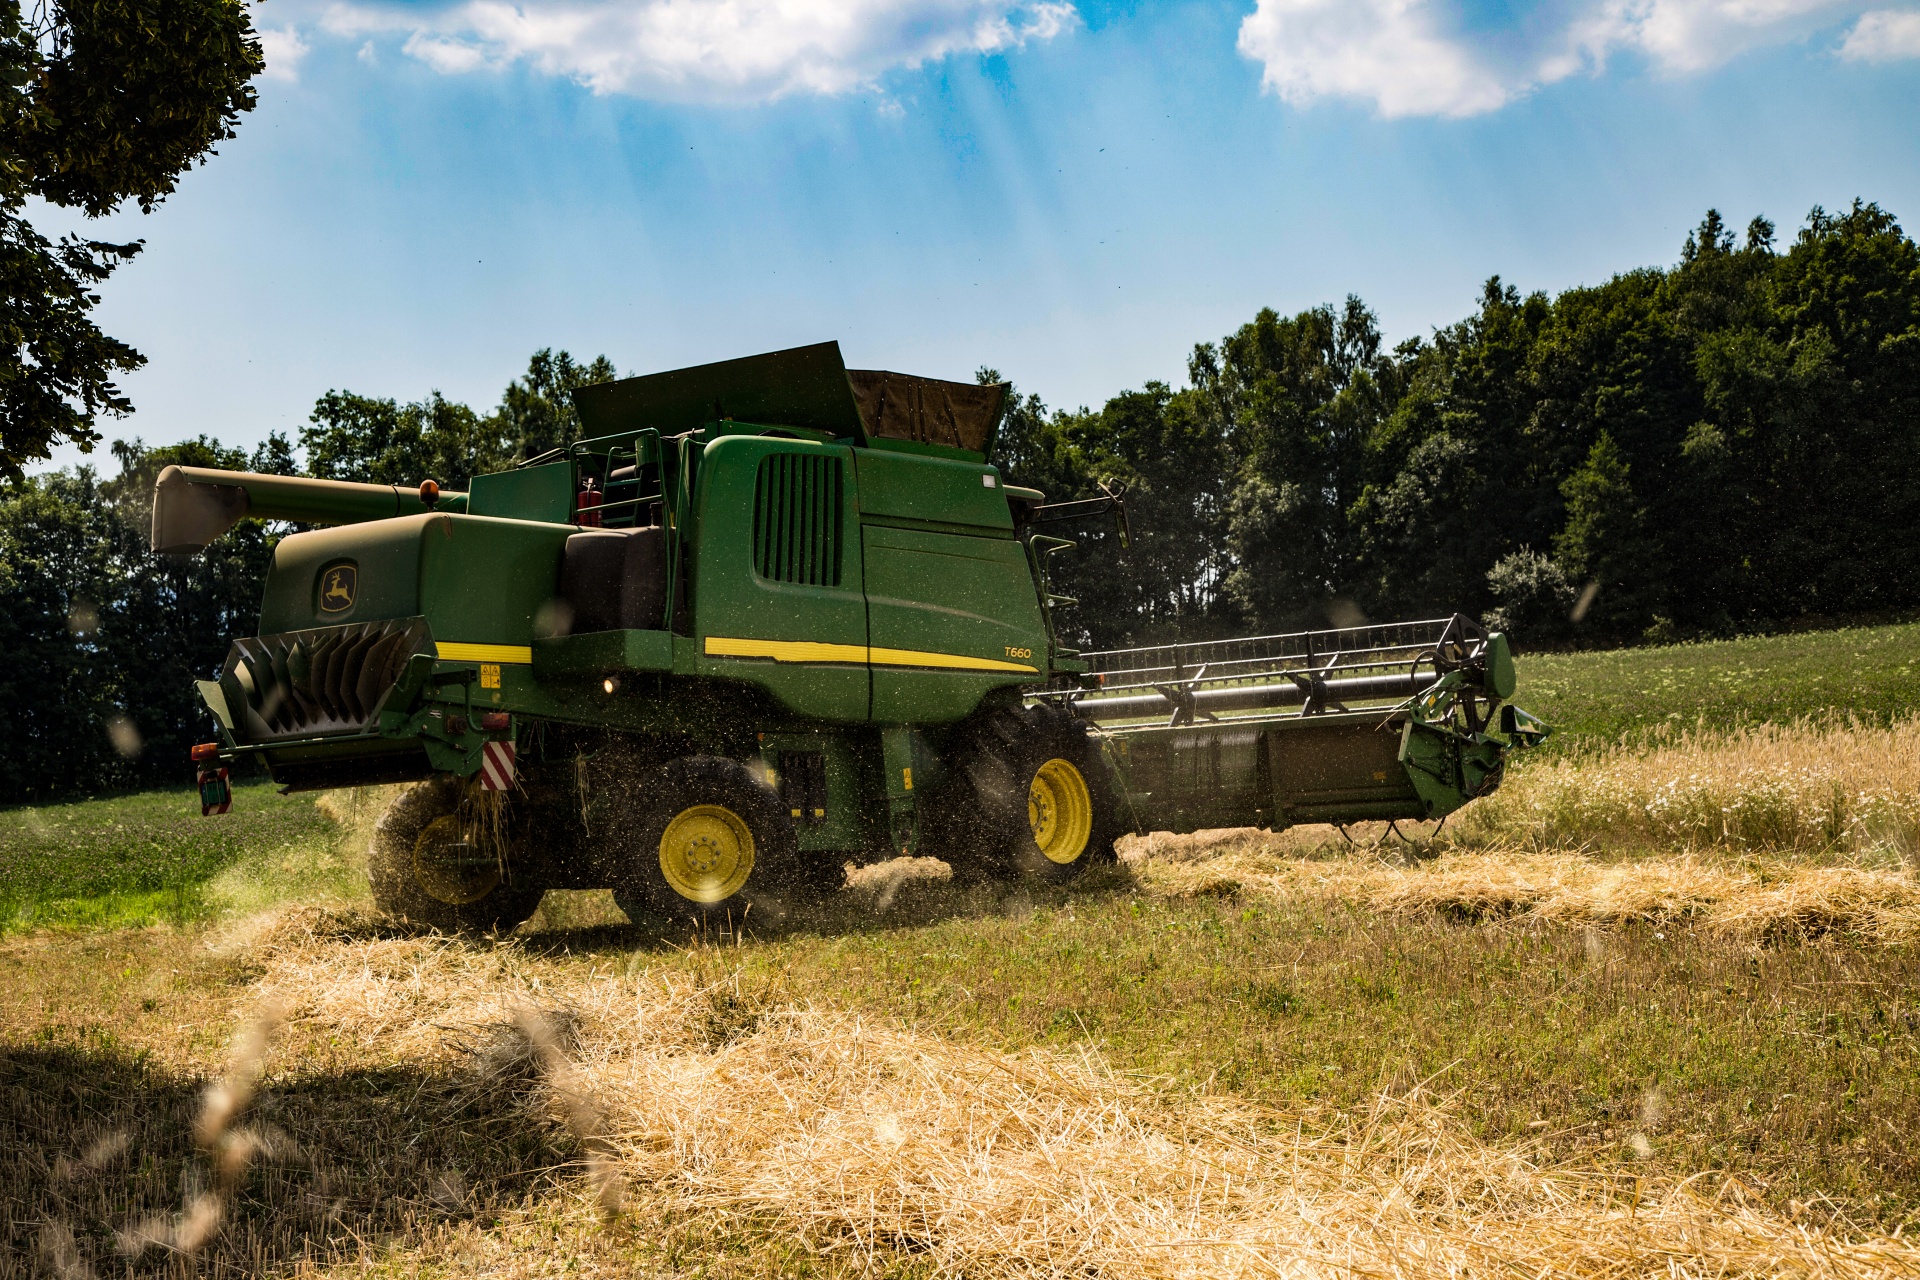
point(796, 519)
point(327, 680)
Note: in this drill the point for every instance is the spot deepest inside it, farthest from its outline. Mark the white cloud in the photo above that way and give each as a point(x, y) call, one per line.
point(1408, 58)
point(1694, 35)
point(716, 50)
point(283, 48)
point(1392, 51)
point(447, 55)
point(1885, 35)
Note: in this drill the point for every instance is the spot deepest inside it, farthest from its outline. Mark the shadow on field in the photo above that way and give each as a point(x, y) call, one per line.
point(98, 1146)
point(905, 893)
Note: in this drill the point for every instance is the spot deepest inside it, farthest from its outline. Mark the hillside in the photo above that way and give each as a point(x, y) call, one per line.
point(1597, 700)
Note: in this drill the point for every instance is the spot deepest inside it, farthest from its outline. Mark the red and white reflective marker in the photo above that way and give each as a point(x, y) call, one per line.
point(216, 792)
point(496, 766)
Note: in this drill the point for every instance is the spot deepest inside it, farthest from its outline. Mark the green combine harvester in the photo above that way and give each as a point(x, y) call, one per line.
point(772, 616)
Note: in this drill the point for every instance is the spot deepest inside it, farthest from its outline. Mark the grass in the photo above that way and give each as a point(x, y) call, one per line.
point(896, 1139)
point(1825, 789)
point(110, 1040)
point(1053, 1084)
point(139, 859)
point(1597, 701)
point(1795, 1064)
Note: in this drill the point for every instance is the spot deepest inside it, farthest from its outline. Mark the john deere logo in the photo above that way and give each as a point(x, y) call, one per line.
point(336, 588)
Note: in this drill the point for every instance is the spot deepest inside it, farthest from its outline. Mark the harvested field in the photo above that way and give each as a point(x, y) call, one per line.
point(854, 1143)
point(1760, 833)
point(1757, 902)
point(1652, 1006)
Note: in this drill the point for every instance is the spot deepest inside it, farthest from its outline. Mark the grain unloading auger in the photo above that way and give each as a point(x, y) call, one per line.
point(770, 617)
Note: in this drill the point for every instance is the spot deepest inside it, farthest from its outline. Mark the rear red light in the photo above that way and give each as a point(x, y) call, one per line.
point(493, 721)
point(206, 751)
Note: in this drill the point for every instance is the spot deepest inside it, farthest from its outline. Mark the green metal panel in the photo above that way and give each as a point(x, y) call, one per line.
point(477, 580)
point(903, 486)
point(804, 389)
point(1257, 771)
point(924, 449)
point(1501, 678)
point(1446, 770)
point(351, 761)
point(600, 653)
point(542, 493)
point(1189, 779)
point(910, 767)
point(216, 699)
point(805, 640)
point(483, 580)
point(385, 558)
point(844, 825)
point(799, 505)
point(194, 505)
point(952, 618)
point(1349, 768)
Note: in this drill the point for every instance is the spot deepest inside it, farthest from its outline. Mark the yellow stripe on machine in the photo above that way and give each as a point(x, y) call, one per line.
point(958, 661)
point(515, 653)
point(817, 651)
point(785, 650)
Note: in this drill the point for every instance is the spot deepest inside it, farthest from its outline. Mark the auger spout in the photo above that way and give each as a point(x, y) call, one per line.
point(194, 505)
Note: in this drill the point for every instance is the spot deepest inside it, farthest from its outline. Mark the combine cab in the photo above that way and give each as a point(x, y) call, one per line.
point(773, 616)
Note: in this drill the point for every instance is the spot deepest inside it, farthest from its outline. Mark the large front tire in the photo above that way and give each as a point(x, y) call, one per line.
point(424, 866)
point(1030, 797)
point(706, 838)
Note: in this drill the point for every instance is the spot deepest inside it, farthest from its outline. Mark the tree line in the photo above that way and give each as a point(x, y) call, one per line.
point(1717, 446)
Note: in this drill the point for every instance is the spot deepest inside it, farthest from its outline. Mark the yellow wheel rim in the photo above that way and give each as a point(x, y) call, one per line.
point(452, 868)
point(706, 853)
point(1060, 807)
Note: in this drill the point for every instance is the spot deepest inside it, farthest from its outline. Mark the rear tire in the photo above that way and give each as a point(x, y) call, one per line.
point(706, 838)
point(1030, 797)
point(420, 875)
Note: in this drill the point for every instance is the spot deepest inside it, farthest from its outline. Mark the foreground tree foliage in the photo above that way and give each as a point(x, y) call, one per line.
point(101, 102)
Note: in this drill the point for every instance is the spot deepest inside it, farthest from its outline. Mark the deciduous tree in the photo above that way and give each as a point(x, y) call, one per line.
point(101, 102)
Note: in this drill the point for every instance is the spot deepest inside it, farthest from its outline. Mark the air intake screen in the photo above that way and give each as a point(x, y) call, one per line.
point(796, 519)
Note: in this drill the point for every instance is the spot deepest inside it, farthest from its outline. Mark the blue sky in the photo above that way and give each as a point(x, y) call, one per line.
point(1074, 193)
